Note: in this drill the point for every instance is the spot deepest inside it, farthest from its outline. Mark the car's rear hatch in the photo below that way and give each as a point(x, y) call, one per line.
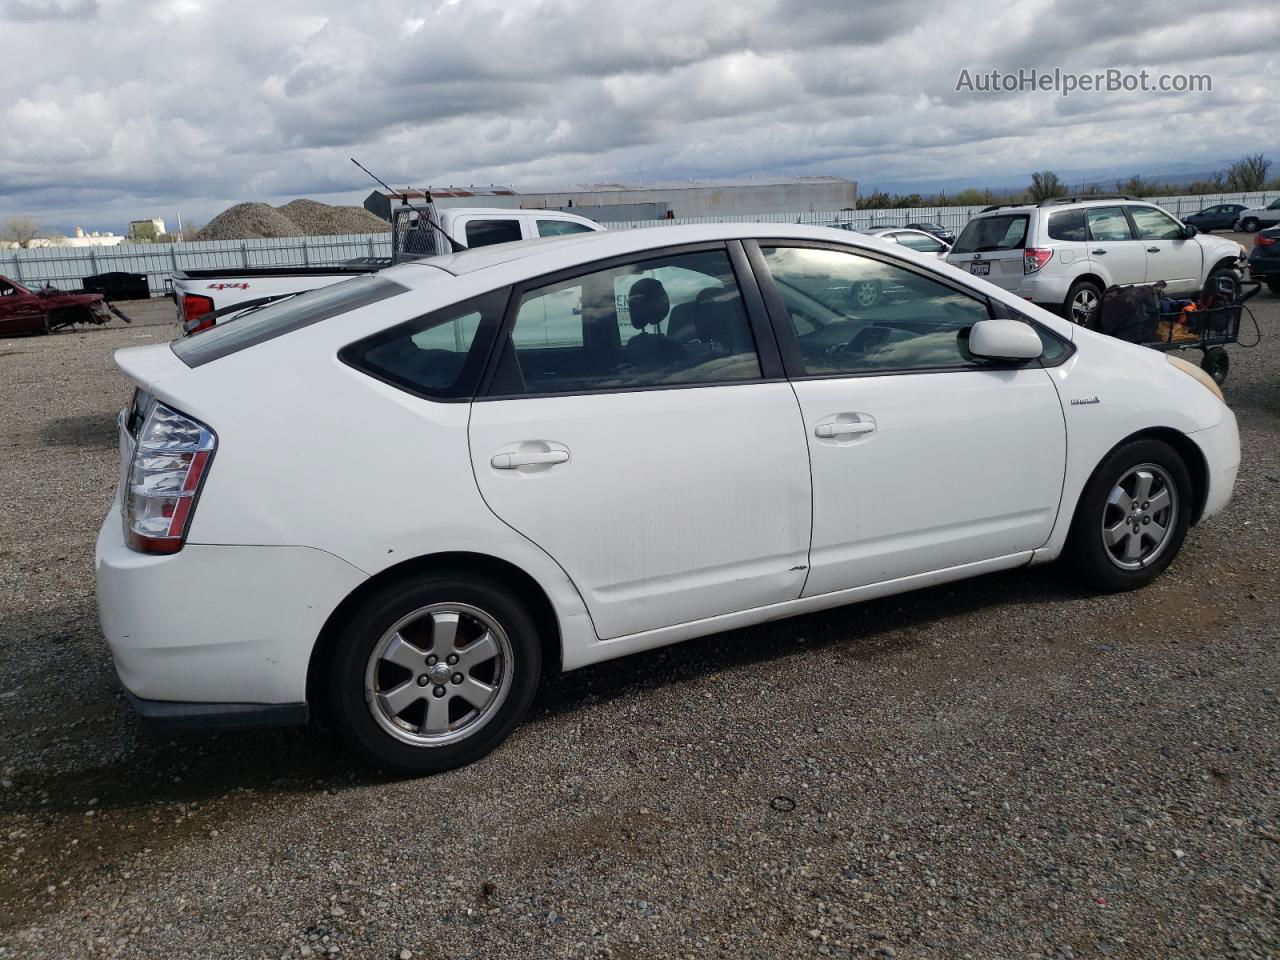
point(992, 247)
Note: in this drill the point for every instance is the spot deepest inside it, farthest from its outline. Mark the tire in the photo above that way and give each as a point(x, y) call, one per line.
point(1216, 363)
point(1083, 300)
point(1250, 225)
point(1218, 273)
point(391, 637)
point(1274, 287)
point(1111, 568)
point(865, 293)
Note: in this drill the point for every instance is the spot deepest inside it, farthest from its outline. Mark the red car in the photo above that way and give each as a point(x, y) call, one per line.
point(40, 311)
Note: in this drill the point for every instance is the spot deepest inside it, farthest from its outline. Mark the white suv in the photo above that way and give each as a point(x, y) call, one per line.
point(1063, 253)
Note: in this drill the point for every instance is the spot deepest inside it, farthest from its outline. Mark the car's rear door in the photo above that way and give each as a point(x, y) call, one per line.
point(1171, 257)
point(1119, 255)
point(923, 456)
point(637, 427)
point(992, 247)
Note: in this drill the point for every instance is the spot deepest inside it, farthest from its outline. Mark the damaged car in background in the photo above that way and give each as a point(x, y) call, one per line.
point(23, 310)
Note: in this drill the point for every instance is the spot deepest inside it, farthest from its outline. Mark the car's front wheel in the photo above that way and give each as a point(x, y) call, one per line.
point(1132, 516)
point(433, 673)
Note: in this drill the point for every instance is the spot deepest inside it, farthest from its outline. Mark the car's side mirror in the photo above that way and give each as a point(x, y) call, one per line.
point(1004, 340)
point(1188, 231)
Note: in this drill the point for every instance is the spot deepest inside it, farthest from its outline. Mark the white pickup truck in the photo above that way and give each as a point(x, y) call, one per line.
point(203, 297)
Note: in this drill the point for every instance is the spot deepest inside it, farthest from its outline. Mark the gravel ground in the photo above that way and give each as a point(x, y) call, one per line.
point(1006, 767)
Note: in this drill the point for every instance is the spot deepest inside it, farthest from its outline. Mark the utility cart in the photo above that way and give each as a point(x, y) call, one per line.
point(1141, 314)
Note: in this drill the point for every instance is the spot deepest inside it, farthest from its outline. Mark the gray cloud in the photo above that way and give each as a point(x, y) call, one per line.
point(49, 10)
point(194, 104)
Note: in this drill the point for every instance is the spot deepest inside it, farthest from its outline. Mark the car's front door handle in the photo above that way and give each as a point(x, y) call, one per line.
point(847, 428)
point(1153, 249)
point(532, 458)
point(1097, 253)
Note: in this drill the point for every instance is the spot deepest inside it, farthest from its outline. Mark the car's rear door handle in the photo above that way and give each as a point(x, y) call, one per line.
point(531, 458)
point(1153, 249)
point(1097, 253)
point(845, 428)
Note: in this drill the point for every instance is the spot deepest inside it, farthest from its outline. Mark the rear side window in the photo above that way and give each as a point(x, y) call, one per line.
point(440, 355)
point(1068, 225)
point(284, 316)
point(484, 233)
point(560, 228)
point(670, 321)
point(1006, 231)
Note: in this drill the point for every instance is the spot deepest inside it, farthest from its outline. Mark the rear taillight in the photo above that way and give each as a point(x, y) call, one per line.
point(1262, 240)
point(194, 308)
point(171, 458)
point(1033, 258)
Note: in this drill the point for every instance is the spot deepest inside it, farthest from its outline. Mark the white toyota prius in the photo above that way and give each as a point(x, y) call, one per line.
point(404, 498)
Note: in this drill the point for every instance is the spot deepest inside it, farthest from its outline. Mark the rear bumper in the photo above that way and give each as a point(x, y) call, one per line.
point(216, 630)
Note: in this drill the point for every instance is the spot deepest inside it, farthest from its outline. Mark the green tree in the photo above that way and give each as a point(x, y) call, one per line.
point(1045, 185)
point(21, 230)
point(1248, 173)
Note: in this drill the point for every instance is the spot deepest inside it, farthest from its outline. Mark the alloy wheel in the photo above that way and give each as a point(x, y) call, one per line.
point(1082, 306)
point(1140, 516)
point(438, 674)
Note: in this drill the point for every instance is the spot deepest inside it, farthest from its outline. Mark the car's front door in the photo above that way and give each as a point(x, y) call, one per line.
point(923, 456)
point(21, 311)
point(1171, 257)
point(633, 430)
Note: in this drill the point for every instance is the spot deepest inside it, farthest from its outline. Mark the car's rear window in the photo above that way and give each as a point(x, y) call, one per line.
point(1005, 231)
point(1068, 225)
point(276, 319)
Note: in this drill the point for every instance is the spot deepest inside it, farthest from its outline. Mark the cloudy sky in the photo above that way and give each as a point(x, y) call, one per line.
point(118, 109)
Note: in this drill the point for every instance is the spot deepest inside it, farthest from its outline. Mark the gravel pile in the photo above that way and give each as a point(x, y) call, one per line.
point(1002, 767)
point(298, 218)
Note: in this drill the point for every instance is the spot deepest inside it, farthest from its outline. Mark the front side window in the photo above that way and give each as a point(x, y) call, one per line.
point(436, 355)
point(673, 320)
point(1006, 231)
point(560, 228)
point(852, 314)
point(1154, 224)
point(1108, 223)
point(484, 233)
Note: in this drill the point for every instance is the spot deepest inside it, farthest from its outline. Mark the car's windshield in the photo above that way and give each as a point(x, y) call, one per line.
point(1006, 231)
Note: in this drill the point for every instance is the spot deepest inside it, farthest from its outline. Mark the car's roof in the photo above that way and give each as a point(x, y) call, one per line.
point(551, 253)
point(512, 212)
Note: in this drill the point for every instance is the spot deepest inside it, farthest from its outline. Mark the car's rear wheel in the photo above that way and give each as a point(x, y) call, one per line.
point(1132, 517)
point(433, 673)
point(1083, 300)
point(1274, 286)
point(1250, 224)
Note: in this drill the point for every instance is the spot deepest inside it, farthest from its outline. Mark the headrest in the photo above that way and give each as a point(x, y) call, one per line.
point(648, 302)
